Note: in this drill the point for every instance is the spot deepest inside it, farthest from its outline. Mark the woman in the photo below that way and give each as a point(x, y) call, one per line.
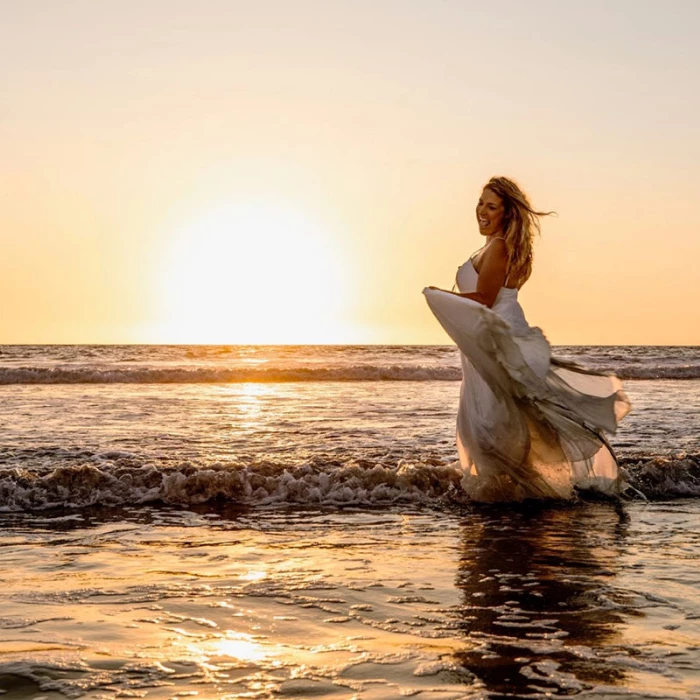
point(529, 425)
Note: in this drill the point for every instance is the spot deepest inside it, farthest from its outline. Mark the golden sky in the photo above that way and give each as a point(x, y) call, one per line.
point(227, 171)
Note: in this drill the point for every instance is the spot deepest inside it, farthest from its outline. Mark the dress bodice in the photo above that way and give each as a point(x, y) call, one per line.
point(467, 275)
point(506, 304)
point(467, 278)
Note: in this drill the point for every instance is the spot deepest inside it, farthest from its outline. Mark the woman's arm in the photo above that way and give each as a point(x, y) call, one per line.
point(492, 275)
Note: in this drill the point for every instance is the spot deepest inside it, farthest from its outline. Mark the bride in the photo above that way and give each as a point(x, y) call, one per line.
point(529, 425)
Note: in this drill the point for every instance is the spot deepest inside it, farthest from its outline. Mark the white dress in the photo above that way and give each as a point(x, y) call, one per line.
point(529, 425)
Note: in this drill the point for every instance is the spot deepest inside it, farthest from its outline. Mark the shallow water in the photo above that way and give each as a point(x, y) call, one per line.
point(366, 443)
point(175, 524)
point(596, 600)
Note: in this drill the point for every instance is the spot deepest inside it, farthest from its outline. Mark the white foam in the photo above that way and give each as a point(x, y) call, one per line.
point(110, 478)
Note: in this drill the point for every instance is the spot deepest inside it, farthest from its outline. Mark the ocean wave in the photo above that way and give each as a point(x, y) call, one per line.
point(345, 373)
point(207, 375)
point(116, 478)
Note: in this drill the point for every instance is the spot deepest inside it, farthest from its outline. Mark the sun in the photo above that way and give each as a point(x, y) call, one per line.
point(251, 272)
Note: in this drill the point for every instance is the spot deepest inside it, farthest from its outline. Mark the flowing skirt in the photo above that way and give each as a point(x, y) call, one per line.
point(529, 425)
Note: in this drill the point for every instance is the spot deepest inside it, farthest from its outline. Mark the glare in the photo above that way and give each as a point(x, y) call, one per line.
point(251, 272)
point(243, 648)
point(237, 645)
point(254, 576)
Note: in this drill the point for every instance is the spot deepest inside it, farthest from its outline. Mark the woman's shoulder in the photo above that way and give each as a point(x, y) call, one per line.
point(496, 242)
point(496, 247)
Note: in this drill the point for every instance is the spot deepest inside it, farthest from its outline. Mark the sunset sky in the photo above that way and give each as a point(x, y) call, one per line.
point(296, 171)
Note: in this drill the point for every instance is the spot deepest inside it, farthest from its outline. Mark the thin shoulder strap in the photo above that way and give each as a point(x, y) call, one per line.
point(505, 281)
point(482, 250)
point(500, 238)
point(479, 253)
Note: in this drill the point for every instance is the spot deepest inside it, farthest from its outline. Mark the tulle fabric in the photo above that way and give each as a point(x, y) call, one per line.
point(529, 425)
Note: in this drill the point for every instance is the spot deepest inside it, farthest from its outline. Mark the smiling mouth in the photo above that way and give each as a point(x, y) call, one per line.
point(483, 222)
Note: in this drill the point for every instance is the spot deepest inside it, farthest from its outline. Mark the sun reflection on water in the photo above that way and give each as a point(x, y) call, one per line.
point(254, 576)
point(250, 399)
point(244, 649)
point(237, 645)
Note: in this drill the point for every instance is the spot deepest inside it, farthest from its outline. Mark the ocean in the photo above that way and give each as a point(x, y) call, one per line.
point(287, 521)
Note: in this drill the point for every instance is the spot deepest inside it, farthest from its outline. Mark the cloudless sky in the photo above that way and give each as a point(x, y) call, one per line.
point(298, 170)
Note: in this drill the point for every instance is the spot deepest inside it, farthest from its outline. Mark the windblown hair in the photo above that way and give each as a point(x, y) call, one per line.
point(520, 221)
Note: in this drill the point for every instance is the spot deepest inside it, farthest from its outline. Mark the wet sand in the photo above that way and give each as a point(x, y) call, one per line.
point(595, 600)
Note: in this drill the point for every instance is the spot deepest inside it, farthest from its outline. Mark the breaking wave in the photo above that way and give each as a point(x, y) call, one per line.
point(345, 373)
point(122, 478)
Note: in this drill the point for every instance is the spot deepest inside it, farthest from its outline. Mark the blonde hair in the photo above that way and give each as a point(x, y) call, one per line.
point(520, 221)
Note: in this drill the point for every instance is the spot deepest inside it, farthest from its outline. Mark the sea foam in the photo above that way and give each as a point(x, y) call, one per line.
point(116, 478)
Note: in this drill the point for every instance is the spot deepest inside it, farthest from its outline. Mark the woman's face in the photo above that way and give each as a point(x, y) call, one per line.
point(489, 213)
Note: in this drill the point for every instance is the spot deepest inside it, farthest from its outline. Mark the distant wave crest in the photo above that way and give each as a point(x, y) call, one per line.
point(117, 478)
point(348, 373)
point(208, 375)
